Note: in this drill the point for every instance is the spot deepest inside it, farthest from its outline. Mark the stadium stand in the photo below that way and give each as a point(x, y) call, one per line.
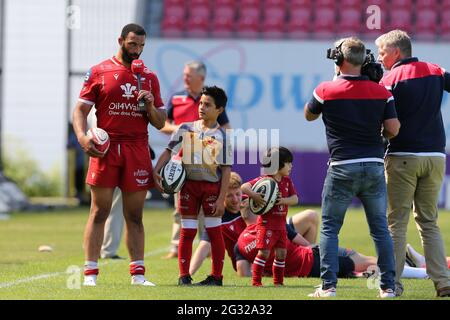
point(426, 20)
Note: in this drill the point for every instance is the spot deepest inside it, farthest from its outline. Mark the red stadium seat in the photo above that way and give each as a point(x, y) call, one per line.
point(224, 11)
point(198, 3)
point(200, 12)
point(445, 4)
point(400, 19)
point(298, 29)
point(276, 3)
point(230, 3)
point(250, 3)
point(426, 20)
point(324, 24)
point(274, 12)
point(197, 27)
point(222, 27)
point(445, 36)
point(401, 4)
point(247, 27)
point(172, 27)
point(445, 21)
point(300, 4)
point(273, 28)
point(250, 12)
point(426, 4)
point(356, 4)
point(176, 11)
point(324, 16)
point(174, 2)
point(350, 17)
point(301, 13)
point(383, 4)
point(325, 3)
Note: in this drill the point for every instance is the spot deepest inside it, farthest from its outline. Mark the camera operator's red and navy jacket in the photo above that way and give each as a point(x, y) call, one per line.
point(353, 110)
point(418, 90)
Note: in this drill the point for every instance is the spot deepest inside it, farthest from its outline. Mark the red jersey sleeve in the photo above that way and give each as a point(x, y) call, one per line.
point(254, 181)
point(91, 88)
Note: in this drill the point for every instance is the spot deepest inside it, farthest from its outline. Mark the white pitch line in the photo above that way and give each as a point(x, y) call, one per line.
point(55, 274)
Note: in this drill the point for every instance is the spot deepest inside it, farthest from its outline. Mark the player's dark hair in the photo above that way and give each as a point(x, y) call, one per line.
point(284, 156)
point(218, 94)
point(132, 27)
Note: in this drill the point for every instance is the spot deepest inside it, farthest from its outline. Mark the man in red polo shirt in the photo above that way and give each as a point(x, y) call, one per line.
point(111, 88)
point(183, 107)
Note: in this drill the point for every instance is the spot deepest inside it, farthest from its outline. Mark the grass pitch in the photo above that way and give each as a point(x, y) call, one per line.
point(26, 273)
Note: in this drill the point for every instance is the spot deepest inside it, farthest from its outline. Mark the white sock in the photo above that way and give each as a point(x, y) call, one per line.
point(90, 265)
point(414, 273)
point(137, 263)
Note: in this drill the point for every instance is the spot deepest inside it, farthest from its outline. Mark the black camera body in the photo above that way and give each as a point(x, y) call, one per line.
point(370, 68)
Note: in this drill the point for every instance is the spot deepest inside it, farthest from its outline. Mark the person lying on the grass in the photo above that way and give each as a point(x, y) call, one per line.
point(305, 261)
point(236, 218)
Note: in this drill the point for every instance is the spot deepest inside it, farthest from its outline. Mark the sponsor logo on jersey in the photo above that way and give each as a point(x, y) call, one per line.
point(250, 246)
point(142, 182)
point(128, 90)
point(116, 75)
point(141, 173)
point(88, 75)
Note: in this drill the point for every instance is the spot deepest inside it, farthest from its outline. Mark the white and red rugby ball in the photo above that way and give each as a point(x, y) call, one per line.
point(100, 138)
point(268, 188)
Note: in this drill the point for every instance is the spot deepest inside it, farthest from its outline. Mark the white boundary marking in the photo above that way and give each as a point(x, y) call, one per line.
point(55, 274)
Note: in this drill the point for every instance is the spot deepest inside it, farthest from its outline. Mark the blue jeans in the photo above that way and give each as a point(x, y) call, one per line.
point(366, 181)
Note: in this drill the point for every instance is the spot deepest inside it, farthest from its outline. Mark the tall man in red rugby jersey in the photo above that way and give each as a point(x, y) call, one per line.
point(111, 88)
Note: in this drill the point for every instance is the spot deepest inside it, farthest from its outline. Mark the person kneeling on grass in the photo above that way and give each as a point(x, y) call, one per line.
point(305, 261)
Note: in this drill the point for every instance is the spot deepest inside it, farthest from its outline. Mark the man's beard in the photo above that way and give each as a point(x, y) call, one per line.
point(127, 56)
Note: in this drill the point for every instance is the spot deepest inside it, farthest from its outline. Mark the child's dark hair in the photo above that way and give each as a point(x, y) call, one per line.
point(218, 94)
point(283, 154)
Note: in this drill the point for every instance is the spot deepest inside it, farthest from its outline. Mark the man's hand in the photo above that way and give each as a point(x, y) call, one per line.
point(147, 96)
point(219, 208)
point(89, 147)
point(157, 179)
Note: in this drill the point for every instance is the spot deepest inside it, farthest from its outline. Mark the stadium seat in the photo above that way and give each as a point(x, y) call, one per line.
point(298, 28)
point(172, 27)
point(325, 4)
point(425, 35)
point(197, 27)
point(383, 4)
point(426, 20)
point(250, 12)
point(198, 3)
point(174, 2)
point(445, 36)
point(200, 12)
point(400, 19)
point(222, 27)
point(349, 16)
point(445, 4)
point(401, 4)
point(274, 12)
point(276, 3)
point(273, 28)
point(426, 4)
point(301, 13)
point(250, 3)
point(345, 4)
point(175, 11)
point(300, 4)
point(444, 25)
point(224, 11)
point(229, 3)
point(324, 24)
point(247, 27)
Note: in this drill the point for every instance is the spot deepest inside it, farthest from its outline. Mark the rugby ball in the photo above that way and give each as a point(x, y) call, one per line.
point(268, 187)
point(100, 138)
point(173, 176)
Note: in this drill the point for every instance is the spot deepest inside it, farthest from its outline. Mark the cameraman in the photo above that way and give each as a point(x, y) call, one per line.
point(355, 111)
point(415, 161)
